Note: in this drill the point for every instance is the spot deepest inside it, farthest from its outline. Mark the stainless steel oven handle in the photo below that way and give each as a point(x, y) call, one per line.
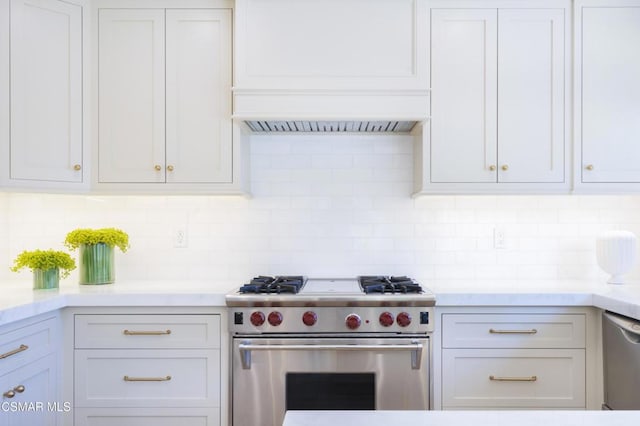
point(415, 347)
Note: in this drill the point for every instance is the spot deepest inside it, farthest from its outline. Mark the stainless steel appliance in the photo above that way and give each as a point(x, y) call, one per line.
point(316, 344)
point(621, 345)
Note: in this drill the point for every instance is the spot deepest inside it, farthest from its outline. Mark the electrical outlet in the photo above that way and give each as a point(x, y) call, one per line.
point(180, 237)
point(499, 239)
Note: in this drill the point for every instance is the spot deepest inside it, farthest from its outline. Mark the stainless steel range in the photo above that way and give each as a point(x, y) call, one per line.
point(320, 344)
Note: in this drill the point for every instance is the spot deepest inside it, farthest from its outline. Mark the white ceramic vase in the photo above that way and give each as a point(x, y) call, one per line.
point(616, 253)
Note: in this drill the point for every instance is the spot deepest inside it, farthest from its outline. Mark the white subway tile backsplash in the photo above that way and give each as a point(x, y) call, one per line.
point(326, 205)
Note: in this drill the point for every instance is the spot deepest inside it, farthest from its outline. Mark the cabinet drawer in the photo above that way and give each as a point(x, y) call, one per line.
point(513, 331)
point(147, 331)
point(20, 344)
point(513, 378)
point(147, 416)
point(147, 378)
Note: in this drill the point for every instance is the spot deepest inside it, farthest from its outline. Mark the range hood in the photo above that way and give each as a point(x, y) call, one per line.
point(307, 126)
point(327, 111)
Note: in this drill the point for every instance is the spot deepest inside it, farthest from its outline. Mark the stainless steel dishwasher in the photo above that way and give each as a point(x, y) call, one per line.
point(621, 346)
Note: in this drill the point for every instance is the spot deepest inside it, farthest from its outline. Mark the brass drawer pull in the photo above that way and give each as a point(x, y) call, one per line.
point(9, 394)
point(532, 331)
point(513, 379)
point(146, 333)
point(147, 379)
point(19, 388)
point(15, 351)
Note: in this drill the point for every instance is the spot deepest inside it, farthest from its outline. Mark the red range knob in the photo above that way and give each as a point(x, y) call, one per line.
point(309, 318)
point(403, 319)
point(275, 318)
point(353, 321)
point(386, 319)
point(257, 318)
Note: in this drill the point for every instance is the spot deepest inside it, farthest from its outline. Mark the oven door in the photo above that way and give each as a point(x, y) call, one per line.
point(272, 375)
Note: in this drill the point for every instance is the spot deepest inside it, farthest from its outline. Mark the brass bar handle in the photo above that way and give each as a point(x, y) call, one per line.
point(513, 379)
point(532, 331)
point(22, 348)
point(146, 333)
point(147, 379)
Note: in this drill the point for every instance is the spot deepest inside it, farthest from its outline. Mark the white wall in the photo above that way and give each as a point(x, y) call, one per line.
point(329, 206)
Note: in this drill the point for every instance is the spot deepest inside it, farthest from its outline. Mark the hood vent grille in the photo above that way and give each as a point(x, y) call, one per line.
point(262, 126)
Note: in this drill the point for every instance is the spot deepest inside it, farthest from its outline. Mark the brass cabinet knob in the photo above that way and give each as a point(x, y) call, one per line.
point(157, 167)
point(9, 394)
point(505, 167)
point(170, 167)
point(77, 167)
point(492, 168)
point(589, 167)
point(19, 388)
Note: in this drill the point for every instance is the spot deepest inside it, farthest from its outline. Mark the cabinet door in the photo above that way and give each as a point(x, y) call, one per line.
point(46, 91)
point(463, 95)
point(131, 79)
point(198, 139)
point(610, 94)
point(32, 387)
point(531, 73)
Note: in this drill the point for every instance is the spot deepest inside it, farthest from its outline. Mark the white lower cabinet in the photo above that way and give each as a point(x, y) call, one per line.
point(147, 416)
point(147, 369)
point(29, 377)
point(511, 360)
point(513, 378)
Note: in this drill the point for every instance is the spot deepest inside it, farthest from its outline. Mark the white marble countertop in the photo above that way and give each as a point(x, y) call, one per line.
point(19, 301)
point(462, 418)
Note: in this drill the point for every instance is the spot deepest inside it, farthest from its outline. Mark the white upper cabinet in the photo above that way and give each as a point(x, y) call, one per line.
point(44, 144)
point(164, 100)
point(131, 95)
point(607, 94)
point(499, 120)
point(531, 96)
point(464, 97)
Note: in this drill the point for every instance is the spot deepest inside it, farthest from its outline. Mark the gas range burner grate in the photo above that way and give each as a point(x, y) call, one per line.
point(264, 284)
point(384, 284)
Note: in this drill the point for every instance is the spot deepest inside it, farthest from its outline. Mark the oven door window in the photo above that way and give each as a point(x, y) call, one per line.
point(330, 391)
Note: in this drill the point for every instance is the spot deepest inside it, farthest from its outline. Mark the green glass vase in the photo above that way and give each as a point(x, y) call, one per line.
point(46, 278)
point(97, 264)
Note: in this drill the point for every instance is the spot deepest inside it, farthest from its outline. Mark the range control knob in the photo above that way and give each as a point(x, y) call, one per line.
point(403, 319)
point(353, 321)
point(386, 319)
point(275, 318)
point(309, 318)
point(257, 318)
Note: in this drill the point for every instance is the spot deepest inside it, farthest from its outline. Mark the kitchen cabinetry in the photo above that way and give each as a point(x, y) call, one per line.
point(164, 99)
point(607, 94)
point(41, 78)
point(498, 116)
point(493, 360)
point(146, 368)
point(29, 373)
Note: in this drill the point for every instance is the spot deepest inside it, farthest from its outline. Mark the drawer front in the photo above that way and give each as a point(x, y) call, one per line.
point(147, 378)
point(33, 386)
point(147, 331)
point(513, 331)
point(22, 344)
point(513, 378)
point(147, 416)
